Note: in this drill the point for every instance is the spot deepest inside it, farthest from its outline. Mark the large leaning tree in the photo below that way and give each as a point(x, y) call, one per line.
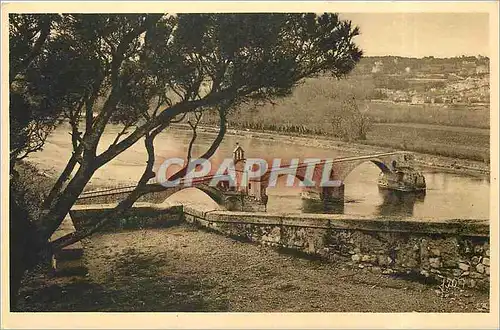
point(145, 72)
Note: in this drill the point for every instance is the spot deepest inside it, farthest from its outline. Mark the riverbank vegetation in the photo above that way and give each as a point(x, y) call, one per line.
point(320, 106)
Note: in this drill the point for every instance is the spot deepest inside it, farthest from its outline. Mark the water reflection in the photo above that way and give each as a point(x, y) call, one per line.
point(398, 203)
point(448, 195)
point(319, 206)
point(393, 203)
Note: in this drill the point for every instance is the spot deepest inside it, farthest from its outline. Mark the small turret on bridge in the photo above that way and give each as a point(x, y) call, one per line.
point(238, 154)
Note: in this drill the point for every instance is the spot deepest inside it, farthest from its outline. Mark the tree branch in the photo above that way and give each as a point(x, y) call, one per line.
point(120, 134)
point(213, 148)
point(102, 118)
point(198, 116)
point(35, 51)
point(124, 205)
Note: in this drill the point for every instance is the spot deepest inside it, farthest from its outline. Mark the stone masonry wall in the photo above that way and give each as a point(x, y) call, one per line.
point(142, 215)
point(154, 197)
point(451, 251)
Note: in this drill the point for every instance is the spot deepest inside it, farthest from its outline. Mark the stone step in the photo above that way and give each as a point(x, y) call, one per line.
point(71, 252)
point(68, 267)
point(69, 260)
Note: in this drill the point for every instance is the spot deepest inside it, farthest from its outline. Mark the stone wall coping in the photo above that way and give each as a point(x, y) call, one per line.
point(136, 206)
point(463, 227)
point(78, 207)
point(199, 210)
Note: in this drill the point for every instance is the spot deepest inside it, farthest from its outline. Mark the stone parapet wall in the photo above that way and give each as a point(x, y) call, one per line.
point(250, 204)
point(113, 197)
point(453, 250)
point(141, 215)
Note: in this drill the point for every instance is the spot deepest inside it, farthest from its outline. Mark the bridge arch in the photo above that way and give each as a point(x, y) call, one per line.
point(344, 172)
point(213, 193)
point(298, 175)
point(380, 164)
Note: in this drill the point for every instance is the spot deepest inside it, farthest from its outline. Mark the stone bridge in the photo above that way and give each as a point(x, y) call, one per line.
point(229, 198)
point(249, 193)
point(334, 170)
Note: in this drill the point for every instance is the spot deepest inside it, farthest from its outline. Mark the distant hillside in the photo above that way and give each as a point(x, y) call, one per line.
point(464, 65)
point(386, 95)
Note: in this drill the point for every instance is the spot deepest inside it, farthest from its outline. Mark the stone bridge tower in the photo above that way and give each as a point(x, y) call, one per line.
point(253, 194)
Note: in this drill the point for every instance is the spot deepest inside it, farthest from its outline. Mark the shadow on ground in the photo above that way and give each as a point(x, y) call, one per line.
point(140, 287)
point(181, 269)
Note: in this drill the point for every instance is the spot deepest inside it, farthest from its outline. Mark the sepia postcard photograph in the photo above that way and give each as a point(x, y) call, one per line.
point(250, 165)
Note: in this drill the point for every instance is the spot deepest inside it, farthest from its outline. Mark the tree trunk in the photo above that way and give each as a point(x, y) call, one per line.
point(24, 246)
point(49, 222)
point(56, 189)
point(17, 247)
point(124, 205)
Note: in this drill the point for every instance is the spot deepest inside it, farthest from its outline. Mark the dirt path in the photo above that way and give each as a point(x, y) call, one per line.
point(185, 269)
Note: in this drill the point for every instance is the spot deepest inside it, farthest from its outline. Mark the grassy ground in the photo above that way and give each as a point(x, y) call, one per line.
point(449, 141)
point(452, 115)
point(185, 269)
point(465, 143)
point(310, 110)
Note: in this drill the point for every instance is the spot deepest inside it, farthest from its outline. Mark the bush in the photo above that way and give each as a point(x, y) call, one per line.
point(27, 190)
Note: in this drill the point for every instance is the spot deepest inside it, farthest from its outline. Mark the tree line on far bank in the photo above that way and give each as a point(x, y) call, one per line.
point(321, 106)
point(337, 108)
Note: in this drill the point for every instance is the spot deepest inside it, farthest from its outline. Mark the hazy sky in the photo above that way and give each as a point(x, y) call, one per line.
point(422, 34)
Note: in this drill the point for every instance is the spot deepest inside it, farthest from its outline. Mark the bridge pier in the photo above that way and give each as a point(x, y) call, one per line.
point(332, 194)
point(323, 199)
point(244, 203)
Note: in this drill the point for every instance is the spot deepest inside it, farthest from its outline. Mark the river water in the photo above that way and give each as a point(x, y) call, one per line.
point(448, 195)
